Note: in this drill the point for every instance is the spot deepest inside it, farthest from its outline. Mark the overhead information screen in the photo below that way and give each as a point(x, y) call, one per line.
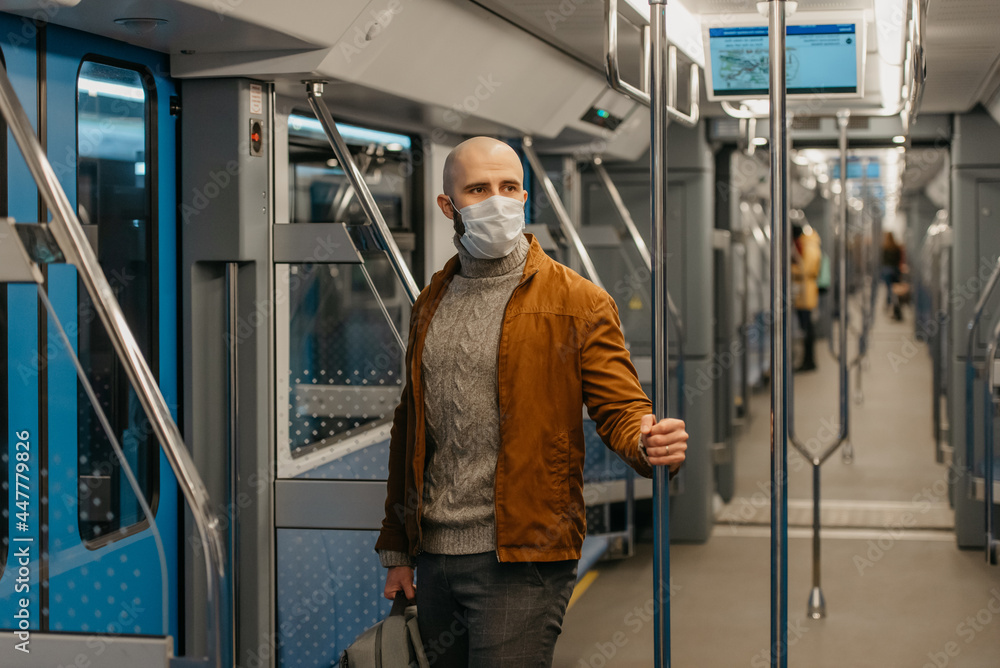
point(820, 60)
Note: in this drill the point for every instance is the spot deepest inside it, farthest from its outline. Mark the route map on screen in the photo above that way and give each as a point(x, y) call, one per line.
point(819, 59)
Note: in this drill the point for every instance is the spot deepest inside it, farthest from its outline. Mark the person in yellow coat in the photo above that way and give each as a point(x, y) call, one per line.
point(806, 260)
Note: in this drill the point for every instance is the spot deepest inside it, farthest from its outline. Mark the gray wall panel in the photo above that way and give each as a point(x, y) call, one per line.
point(225, 211)
point(975, 218)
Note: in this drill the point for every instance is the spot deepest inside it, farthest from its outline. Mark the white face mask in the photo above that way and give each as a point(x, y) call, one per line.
point(492, 227)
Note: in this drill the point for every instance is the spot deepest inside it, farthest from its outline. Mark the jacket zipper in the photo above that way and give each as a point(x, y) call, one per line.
point(496, 524)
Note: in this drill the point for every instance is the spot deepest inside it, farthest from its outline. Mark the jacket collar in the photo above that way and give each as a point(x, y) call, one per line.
point(536, 257)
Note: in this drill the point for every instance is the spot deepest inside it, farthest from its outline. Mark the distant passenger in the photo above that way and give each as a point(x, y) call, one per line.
point(806, 262)
point(485, 491)
point(893, 263)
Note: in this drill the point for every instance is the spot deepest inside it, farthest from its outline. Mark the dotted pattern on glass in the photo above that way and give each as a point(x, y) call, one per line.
point(329, 591)
point(371, 463)
point(346, 366)
point(601, 463)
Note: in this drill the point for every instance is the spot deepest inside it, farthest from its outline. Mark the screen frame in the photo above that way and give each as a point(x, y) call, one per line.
point(857, 17)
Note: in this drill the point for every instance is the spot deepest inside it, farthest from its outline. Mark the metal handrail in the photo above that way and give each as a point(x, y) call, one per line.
point(932, 252)
point(817, 603)
point(565, 222)
point(617, 83)
point(640, 245)
point(314, 91)
point(869, 280)
point(918, 66)
point(988, 417)
point(72, 240)
point(748, 132)
point(971, 373)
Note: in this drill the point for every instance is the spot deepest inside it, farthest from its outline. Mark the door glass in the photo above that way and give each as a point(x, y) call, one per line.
point(345, 366)
point(343, 359)
point(115, 194)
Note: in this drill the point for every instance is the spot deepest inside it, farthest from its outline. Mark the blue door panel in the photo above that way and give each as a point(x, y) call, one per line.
point(22, 404)
point(17, 41)
point(117, 587)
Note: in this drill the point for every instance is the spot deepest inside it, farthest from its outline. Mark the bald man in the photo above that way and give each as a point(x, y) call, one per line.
point(485, 491)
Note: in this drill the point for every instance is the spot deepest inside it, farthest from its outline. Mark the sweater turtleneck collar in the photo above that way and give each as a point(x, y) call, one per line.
point(473, 267)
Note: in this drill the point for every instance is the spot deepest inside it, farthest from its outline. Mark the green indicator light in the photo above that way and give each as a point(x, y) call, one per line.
point(602, 113)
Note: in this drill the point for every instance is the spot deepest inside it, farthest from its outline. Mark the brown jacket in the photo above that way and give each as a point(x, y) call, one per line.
point(805, 272)
point(561, 346)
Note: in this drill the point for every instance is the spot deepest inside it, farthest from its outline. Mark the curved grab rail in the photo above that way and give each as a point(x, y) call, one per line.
point(818, 459)
point(640, 245)
point(918, 64)
point(970, 369)
point(691, 118)
point(314, 91)
point(72, 240)
point(613, 71)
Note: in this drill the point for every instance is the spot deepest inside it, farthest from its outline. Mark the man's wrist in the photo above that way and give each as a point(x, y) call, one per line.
point(642, 451)
point(391, 558)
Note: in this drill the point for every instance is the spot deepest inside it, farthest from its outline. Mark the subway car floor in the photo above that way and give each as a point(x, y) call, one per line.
point(899, 593)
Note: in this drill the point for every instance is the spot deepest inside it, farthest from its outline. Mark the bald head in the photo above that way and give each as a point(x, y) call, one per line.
point(480, 168)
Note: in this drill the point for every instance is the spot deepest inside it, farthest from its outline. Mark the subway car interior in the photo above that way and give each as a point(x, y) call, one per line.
point(215, 216)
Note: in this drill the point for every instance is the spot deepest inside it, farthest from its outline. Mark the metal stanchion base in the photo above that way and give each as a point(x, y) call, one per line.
point(991, 553)
point(847, 454)
point(817, 604)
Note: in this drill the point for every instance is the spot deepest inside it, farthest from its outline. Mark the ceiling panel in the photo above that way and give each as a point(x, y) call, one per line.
point(577, 28)
point(962, 53)
point(750, 6)
point(206, 26)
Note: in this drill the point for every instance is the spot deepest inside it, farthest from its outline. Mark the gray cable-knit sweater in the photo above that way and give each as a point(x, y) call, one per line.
point(462, 414)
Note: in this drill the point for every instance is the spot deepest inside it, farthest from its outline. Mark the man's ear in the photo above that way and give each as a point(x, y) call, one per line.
point(448, 209)
point(444, 203)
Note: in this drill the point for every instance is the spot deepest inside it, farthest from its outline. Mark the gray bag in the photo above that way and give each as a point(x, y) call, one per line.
point(392, 643)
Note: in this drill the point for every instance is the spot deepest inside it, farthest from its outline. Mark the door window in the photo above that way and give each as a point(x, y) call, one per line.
point(115, 185)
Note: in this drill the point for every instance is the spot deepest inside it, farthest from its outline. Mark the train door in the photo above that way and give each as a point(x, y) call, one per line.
point(341, 322)
point(102, 110)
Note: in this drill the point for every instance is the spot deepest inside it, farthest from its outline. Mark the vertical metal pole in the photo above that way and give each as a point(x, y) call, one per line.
point(232, 280)
point(658, 87)
point(780, 362)
point(989, 417)
point(842, 119)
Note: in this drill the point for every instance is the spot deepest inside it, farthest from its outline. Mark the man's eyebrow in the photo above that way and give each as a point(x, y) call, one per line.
point(486, 184)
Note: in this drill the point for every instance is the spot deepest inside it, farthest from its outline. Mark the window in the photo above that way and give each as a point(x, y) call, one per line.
point(116, 178)
point(345, 366)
